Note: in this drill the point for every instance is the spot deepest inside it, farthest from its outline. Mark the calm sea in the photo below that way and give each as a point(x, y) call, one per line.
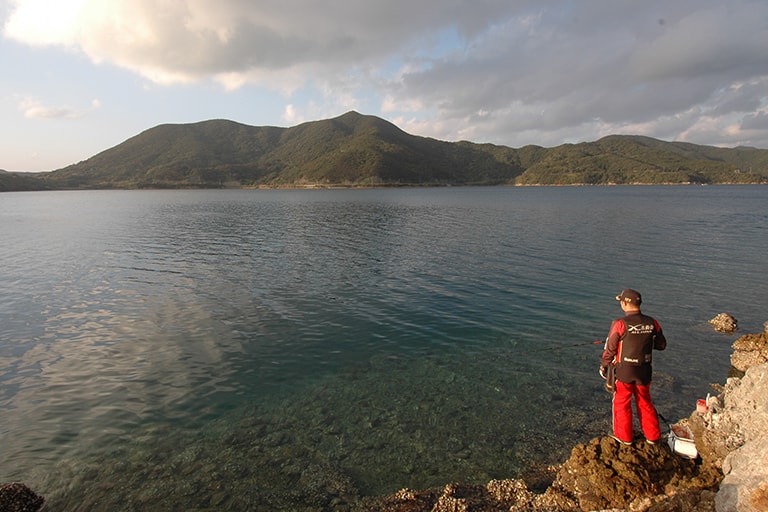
point(284, 350)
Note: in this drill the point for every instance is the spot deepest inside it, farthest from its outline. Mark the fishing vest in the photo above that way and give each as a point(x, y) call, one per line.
point(636, 346)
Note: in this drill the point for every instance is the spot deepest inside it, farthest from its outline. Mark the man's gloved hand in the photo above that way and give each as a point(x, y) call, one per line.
point(604, 372)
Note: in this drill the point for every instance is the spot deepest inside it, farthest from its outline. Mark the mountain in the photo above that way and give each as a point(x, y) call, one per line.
point(638, 159)
point(362, 150)
point(352, 149)
point(19, 181)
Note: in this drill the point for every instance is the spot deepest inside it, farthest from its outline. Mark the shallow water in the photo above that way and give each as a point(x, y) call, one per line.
point(165, 350)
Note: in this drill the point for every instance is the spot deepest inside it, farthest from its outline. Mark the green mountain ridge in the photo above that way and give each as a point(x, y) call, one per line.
point(362, 150)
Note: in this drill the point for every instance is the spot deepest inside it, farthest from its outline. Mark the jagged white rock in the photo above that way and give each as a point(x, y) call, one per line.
point(745, 412)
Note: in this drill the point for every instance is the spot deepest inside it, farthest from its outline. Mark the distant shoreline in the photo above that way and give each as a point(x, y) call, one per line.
point(320, 186)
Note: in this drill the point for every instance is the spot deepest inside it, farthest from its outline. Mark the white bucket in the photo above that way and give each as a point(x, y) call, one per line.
point(681, 441)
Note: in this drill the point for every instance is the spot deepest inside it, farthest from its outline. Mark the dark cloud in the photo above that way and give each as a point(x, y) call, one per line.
point(758, 121)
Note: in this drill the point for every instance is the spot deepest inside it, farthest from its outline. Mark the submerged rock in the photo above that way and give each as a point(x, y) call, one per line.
point(599, 475)
point(17, 497)
point(496, 496)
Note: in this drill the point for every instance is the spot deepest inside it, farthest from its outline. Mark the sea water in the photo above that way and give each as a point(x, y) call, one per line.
point(274, 349)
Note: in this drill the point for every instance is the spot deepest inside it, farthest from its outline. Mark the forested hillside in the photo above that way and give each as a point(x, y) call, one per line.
point(361, 150)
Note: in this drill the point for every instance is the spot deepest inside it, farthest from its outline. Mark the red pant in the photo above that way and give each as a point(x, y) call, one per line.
point(622, 411)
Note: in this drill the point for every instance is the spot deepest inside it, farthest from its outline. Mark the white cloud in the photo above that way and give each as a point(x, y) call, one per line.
point(185, 40)
point(34, 108)
point(43, 22)
point(290, 116)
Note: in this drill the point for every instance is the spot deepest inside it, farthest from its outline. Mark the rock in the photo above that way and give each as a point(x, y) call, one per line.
point(724, 323)
point(744, 418)
point(17, 497)
point(599, 475)
point(745, 486)
point(497, 495)
point(750, 350)
point(449, 502)
point(703, 501)
point(509, 491)
point(323, 484)
point(604, 474)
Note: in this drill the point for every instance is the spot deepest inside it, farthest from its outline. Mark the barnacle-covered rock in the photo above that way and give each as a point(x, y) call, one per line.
point(724, 323)
point(17, 497)
point(750, 350)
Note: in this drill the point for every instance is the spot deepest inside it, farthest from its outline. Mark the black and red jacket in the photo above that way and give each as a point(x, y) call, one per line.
point(629, 346)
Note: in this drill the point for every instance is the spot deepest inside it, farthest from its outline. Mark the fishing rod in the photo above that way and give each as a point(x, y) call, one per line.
point(560, 347)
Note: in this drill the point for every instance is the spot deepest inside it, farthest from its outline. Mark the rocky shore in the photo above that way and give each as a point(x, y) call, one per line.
point(730, 472)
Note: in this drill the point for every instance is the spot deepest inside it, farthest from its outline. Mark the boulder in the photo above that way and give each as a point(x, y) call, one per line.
point(605, 474)
point(724, 323)
point(750, 350)
point(743, 421)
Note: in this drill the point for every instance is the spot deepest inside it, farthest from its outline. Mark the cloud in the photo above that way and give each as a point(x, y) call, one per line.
point(757, 121)
point(546, 73)
point(492, 70)
point(714, 40)
point(186, 40)
point(34, 108)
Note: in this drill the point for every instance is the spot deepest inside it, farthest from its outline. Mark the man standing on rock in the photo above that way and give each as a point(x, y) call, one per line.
point(628, 347)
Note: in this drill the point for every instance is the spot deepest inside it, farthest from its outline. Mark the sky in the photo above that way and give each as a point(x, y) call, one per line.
point(82, 76)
